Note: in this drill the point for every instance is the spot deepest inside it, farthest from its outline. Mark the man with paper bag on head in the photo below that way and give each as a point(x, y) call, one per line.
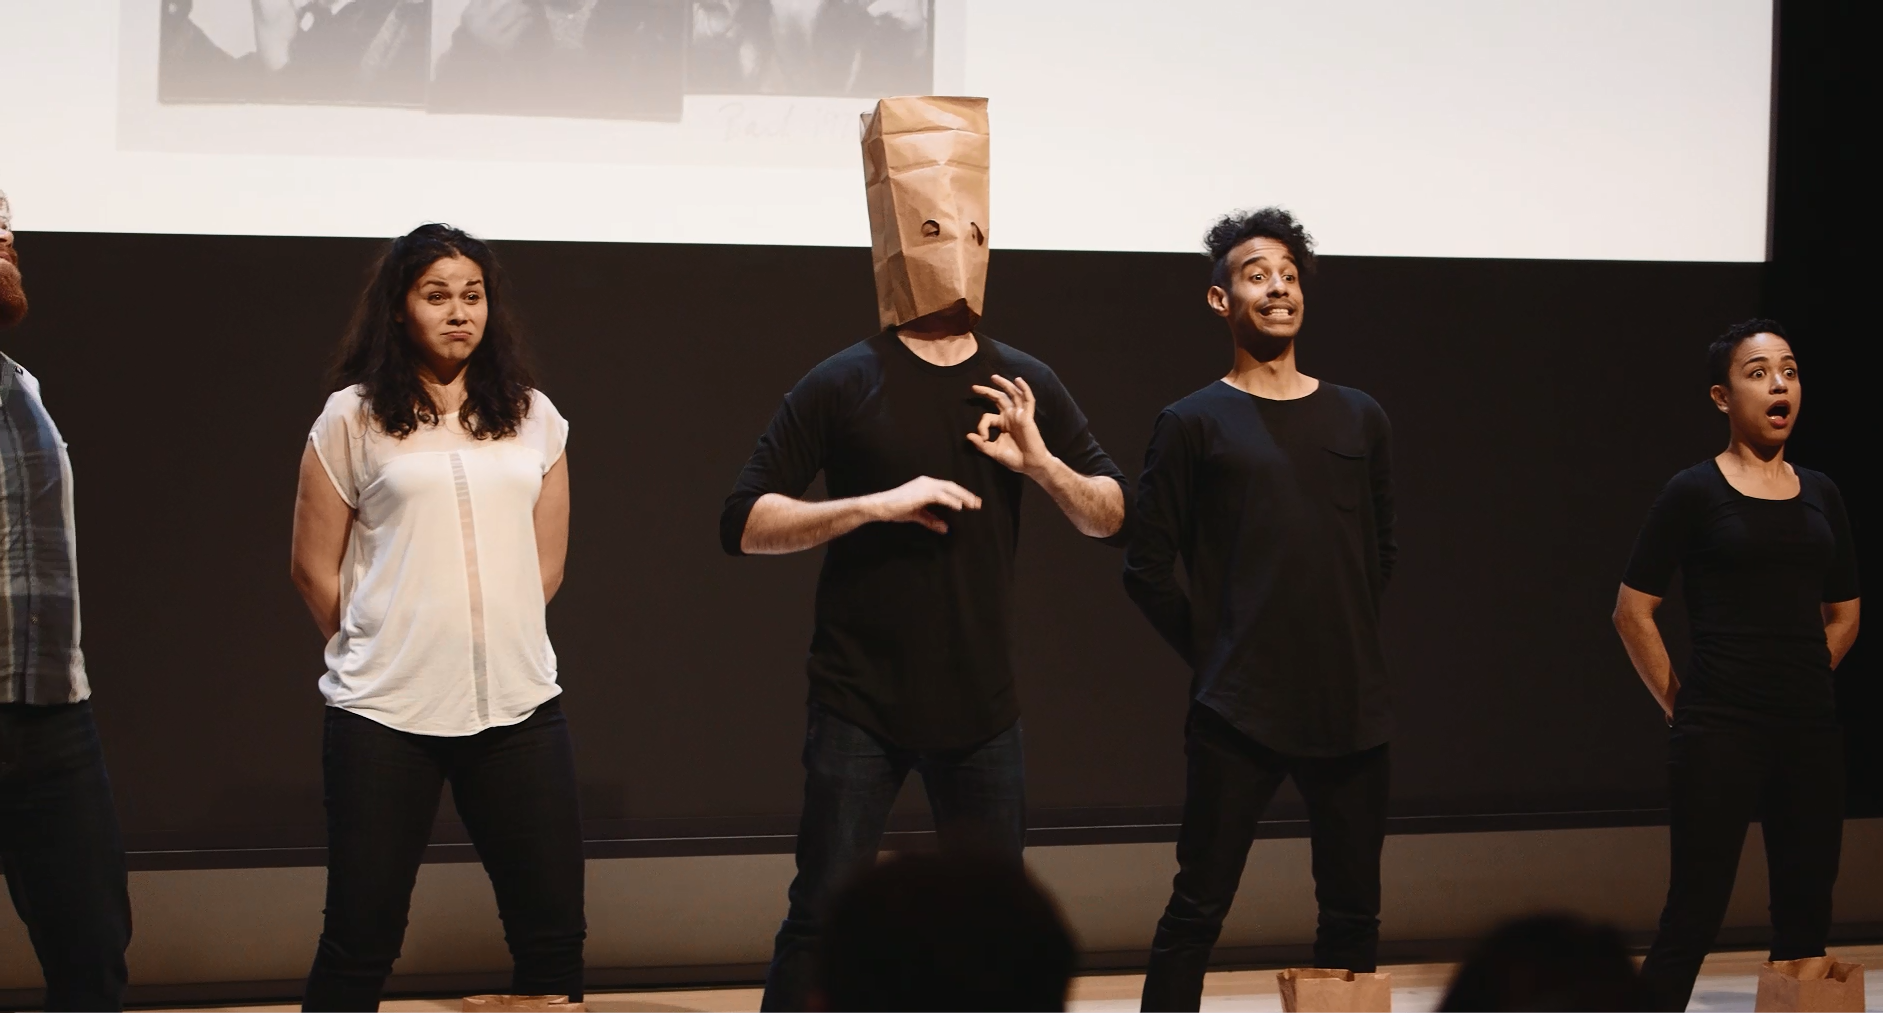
point(925, 433)
point(925, 173)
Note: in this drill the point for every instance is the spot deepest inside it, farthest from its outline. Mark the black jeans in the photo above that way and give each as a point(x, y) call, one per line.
point(1722, 772)
point(1229, 782)
point(515, 789)
point(978, 796)
point(63, 857)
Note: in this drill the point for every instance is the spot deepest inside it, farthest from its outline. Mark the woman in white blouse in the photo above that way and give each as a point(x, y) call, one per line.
point(429, 532)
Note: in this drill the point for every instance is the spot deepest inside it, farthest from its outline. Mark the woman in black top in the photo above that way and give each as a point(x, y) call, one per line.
point(1770, 577)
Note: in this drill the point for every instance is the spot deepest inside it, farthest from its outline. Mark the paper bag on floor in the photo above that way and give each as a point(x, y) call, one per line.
point(925, 174)
point(1327, 990)
point(521, 1004)
point(1811, 985)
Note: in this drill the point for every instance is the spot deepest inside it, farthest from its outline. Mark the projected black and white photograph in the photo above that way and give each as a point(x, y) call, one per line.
point(871, 48)
point(580, 59)
point(602, 59)
point(343, 52)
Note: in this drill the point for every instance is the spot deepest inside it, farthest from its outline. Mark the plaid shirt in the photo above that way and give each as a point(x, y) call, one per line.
point(40, 660)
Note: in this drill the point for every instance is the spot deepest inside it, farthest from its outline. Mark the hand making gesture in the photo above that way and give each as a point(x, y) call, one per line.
point(1019, 444)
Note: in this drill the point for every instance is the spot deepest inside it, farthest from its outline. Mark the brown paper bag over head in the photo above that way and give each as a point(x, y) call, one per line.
point(1330, 990)
point(1812, 984)
point(925, 173)
point(522, 1004)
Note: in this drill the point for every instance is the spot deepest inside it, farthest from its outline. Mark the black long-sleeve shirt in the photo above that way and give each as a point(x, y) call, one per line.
point(913, 636)
point(1755, 572)
point(1282, 512)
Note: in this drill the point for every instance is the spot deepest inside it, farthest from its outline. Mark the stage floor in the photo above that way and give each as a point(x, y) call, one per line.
point(1727, 982)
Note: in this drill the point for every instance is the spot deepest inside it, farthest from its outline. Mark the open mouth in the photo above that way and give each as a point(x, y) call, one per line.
point(1778, 413)
point(1278, 311)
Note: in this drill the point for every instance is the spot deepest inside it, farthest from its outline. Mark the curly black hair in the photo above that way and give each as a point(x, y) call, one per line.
point(1719, 354)
point(1238, 227)
point(378, 354)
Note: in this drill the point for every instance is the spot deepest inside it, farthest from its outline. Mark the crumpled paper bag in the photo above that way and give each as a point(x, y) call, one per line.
point(1809, 985)
point(1330, 990)
point(925, 173)
point(522, 1004)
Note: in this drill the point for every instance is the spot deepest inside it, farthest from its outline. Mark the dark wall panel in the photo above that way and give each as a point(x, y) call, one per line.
point(1822, 286)
point(1538, 406)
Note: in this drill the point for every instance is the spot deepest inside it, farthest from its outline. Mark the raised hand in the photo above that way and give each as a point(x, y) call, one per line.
point(909, 502)
point(1019, 445)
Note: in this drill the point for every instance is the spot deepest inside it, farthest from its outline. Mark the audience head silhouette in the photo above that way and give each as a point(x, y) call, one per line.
point(1549, 962)
point(944, 932)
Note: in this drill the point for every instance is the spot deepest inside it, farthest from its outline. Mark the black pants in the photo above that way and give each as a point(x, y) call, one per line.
point(515, 789)
point(61, 852)
point(1230, 780)
point(1722, 772)
point(978, 796)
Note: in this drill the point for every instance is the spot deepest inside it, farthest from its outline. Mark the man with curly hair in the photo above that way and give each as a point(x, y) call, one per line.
point(59, 841)
point(1275, 490)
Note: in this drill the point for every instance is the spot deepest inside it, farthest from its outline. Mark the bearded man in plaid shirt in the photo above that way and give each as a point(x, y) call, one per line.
point(59, 842)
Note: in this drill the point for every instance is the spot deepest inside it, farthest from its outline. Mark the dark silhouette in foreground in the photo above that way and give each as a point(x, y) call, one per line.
point(1549, 962)
point(944, 932)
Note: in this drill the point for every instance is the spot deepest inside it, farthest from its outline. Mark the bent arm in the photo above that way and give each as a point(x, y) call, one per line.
point(322, 521)
point(1840, 617)
point(764, 515)
point(1052, 445)
point(1840, 627)
point(1634, 620)
point(1095, 504)
point(779, 524)
point(1380, 476)
point(1157, 534)
point(1151, 582)
point(552, 525)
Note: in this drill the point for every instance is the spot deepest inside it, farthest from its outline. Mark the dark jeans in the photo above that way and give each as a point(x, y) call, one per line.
point(1721, 773)
point(1230, 780)
point(62, 855)
point(515, 789)
point(978, 796)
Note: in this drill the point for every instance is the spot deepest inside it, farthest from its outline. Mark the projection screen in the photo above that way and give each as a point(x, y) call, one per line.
point(1598, 129)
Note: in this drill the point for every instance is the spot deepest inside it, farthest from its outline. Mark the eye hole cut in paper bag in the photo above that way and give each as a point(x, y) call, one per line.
point(925, 172)
point(1814, 984)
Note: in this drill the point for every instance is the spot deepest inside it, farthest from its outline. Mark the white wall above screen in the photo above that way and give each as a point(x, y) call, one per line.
point(1593, 129)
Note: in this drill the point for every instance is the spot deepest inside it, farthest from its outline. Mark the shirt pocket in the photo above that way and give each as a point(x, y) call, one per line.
point(1347, 479)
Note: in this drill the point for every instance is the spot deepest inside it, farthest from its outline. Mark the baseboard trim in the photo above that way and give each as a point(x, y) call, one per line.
point(405, 986)
point(697, 838)
point(611, 979)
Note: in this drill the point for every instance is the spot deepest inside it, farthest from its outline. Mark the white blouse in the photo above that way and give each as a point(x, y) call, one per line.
point(441, 595)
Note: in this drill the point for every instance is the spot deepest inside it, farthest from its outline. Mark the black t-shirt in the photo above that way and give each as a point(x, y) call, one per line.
point(914, 629)
point(1282, 512)
point(1755, 572)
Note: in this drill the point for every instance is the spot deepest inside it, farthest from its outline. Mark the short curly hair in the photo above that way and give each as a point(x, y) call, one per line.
point(1238, 227)
point(1719, 354)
